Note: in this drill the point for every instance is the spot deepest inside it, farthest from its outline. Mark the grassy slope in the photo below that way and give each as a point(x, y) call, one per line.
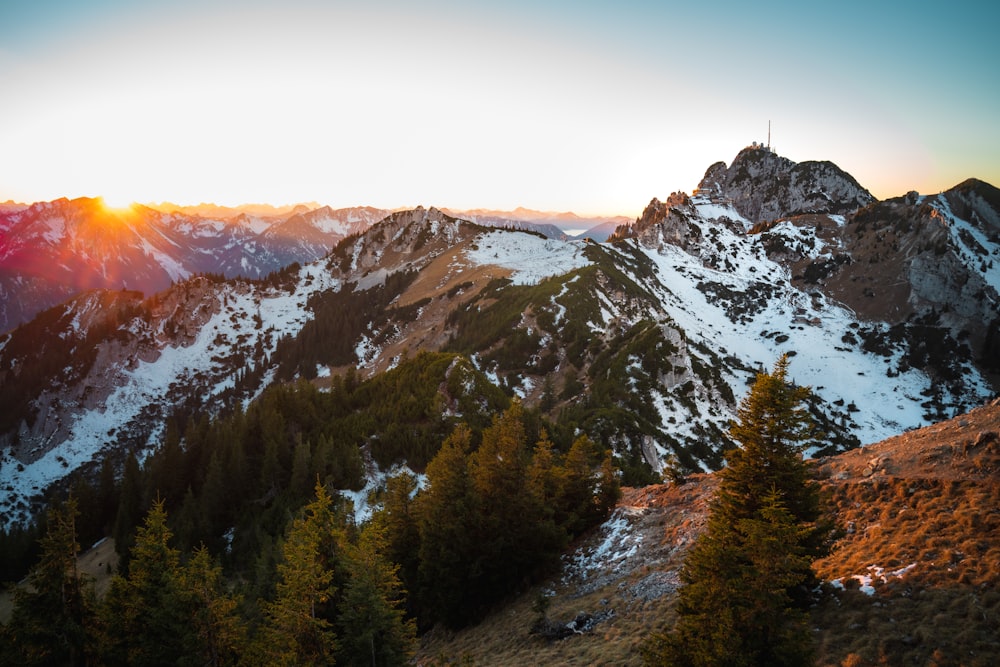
point(928, 498)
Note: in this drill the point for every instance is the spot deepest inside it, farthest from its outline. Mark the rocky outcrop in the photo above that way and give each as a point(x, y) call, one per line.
point(665, 222)
point(762, 186)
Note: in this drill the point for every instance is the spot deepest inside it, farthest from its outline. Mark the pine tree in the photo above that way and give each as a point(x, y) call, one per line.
point(545, 477)
point(609, 490)
point(398, 522)
point(218, 630)
point(447, 524)
point(744, 578)
point(371, 621)
point(130, 503)
point(577, 502)
point(513, 542)
point(54, 614)
point(215, 503)
point(772, 423)
point(146, 619)
point(298, 485)
point(296, 629)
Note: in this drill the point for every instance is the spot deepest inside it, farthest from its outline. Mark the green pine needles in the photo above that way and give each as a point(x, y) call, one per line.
point(748, 578)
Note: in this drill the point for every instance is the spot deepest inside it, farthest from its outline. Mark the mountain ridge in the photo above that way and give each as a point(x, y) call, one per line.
point(645, 342)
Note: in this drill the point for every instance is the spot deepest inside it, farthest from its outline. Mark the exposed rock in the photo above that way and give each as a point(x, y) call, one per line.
point(763, 186)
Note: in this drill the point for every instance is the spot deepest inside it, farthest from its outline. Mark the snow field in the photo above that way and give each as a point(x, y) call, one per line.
point(530, 257)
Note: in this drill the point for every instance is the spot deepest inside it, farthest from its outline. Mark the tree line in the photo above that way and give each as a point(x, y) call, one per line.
point(238, 573)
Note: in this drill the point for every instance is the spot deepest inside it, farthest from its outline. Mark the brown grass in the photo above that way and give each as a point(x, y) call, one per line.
point(932, 499)
point(934, 504)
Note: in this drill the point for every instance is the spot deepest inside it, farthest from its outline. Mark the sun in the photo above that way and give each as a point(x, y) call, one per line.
point(115, 203)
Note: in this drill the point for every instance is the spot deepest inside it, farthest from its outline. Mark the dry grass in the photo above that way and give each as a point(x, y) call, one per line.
point(930, 499)
point(926, 506)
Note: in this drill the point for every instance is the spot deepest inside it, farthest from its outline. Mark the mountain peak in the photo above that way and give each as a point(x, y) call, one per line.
point(762, 185)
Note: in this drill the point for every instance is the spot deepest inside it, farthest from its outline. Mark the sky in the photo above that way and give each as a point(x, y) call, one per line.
point(589, 106)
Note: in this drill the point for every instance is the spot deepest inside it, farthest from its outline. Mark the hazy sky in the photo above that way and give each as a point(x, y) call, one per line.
point(584, 105)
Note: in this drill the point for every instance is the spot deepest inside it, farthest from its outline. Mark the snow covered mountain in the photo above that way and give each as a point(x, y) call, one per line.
point(553, 225)
point(50, 251)
point(887, 309)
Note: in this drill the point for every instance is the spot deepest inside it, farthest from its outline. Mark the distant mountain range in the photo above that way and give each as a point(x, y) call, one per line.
point(50, 251)
point(646, 342)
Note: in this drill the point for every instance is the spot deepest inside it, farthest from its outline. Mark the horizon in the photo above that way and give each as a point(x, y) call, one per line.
point(552, 107)
point(314, 205)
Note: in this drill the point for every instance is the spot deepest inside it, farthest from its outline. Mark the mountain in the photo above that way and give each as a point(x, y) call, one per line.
point(601, 232)
point(545, 229)
point(551, 224)
point(646, 342)
point(762, 185)
point(51, 251)
point(910, 579)
point(217, 211)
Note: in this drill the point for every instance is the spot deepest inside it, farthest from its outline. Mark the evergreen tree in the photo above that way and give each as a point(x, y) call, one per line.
point(609, 490)
point(447, 523)
point(130, 504)
point(146, 619)
point(54, 614)
point(577, 498)
point(398, 522)
point(190, 523)
point(217, 495)
point(298, 486)
point(772, 423)
point(745, 577)
point(296, 629)
point(218, 630)
point(545, 478)
point(508, 543)
point(371, 621)
point(165, 468)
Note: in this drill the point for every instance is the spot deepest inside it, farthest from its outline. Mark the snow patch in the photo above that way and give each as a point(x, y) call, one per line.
point(618, 543)
point(530, 257)
point(361, 499)
point(875, 574)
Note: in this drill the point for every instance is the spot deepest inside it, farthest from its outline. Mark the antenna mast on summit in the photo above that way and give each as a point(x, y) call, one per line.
point(768, 135)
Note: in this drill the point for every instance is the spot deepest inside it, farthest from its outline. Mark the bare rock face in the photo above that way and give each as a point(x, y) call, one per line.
point(763, 186)
point(667, 222)
point(404, 240)
point(979, 203)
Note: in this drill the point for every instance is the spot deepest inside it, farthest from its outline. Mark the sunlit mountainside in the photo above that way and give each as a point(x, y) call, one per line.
point(50, 251)
point(911, 578)
point(649, 340)
point(223, 360)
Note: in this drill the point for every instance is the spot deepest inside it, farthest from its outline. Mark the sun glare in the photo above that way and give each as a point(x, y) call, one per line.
point(116, 203)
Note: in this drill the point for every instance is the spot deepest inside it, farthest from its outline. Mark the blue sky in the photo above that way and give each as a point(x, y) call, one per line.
point(589, 106)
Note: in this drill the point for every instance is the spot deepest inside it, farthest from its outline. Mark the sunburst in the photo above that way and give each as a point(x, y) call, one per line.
point(117, 204)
